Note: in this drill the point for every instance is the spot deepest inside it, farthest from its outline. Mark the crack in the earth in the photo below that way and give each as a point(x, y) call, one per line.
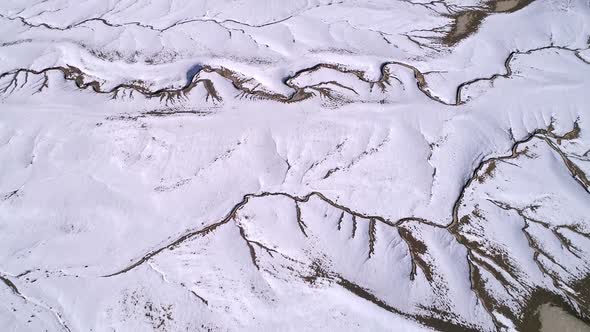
point(300, 93)
point(232, 214)
point(538, 250)
point(438, 323)
point(544, 135)
point(5, 279)
point(416, 248)
point(26, 21)
point(508, 68)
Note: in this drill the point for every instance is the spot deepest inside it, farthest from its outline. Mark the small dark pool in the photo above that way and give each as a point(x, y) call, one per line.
point(192, 72)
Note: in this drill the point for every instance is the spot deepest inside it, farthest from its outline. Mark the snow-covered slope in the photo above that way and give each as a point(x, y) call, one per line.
point(293, 165)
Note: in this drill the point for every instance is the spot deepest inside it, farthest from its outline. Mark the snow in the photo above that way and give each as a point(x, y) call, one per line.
point(209, 177)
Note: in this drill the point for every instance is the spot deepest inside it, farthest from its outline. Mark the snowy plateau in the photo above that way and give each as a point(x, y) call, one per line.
point(294, 165)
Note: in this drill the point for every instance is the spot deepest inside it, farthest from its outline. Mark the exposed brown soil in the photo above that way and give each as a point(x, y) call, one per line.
point(528, 320)
point(417, 249)
point(467, 22)
point(433, 322)
point(464, 24)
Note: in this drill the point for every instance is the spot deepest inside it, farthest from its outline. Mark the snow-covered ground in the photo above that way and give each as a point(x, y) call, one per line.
point(311, 165)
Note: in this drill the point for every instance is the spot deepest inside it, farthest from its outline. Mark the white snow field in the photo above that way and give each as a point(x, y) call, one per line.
point(293, 165)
